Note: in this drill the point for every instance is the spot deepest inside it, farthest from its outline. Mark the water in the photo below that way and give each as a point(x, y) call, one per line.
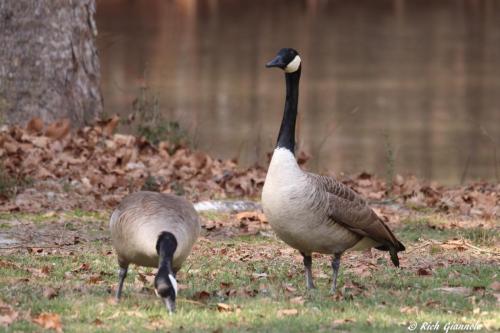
point(387, 86)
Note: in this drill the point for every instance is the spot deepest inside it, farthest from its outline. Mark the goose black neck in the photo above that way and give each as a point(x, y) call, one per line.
point(286, 137)
point(166, 246)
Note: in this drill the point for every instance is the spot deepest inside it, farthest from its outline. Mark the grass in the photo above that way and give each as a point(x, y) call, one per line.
point(255, 278)
point(153, 125)
point(9, 184)
point(438, 228)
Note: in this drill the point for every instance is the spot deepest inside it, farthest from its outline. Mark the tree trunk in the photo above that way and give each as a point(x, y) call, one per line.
point(48, 61)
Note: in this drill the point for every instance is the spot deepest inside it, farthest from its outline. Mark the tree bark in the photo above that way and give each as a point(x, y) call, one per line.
point(49, 66)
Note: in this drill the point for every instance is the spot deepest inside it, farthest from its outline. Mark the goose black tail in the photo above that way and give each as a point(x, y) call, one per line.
point(393, 251)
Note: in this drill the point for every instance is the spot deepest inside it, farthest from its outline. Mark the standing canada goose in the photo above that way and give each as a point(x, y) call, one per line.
point(314, 213)
point(154, 230)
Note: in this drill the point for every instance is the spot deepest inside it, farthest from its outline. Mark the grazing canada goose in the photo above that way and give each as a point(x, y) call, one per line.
point(314, 213)
point(154, 230)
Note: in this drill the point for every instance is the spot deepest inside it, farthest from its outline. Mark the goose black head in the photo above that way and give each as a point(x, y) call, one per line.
point(166, 288)
point(165, 283)
point(287, 59)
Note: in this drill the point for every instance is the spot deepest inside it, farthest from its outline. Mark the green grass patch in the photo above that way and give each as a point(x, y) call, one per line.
point(259, 282)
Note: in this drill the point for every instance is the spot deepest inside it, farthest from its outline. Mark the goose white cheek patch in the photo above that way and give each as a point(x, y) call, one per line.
point(293, 65)
point(174, 282)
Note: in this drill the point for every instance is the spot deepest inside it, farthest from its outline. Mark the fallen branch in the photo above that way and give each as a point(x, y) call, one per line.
point(184, 300)
point(463, 243)
point(21, 246)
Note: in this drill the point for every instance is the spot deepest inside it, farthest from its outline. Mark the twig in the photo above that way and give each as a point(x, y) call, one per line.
point(332, 129)
point(481, 250)
point(495, 148)
point(427, 243)
point(466, 168)
point(464, 243)
point(23, 246)
point(184, 300)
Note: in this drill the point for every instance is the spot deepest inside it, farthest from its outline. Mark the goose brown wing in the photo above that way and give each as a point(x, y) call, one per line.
point(350, 210)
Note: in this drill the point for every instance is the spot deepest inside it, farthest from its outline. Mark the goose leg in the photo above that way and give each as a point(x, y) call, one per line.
point(121, 278)
point(307, 266)
point(335, 267)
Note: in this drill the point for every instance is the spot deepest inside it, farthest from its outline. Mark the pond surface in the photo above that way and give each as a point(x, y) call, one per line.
point(387, 86)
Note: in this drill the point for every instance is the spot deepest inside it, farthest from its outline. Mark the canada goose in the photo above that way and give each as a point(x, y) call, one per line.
point(154, 230)
point(314, 213)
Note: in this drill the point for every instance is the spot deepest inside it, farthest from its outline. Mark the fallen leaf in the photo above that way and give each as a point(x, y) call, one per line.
point(181, 286)
point(225, 285)
point(409, 309)
point(7, 314)
point(456, 290)
point(288, 312)
point(252, 216)
point(137, 314)
point(297, 300)
point(432, 303)
point(8, 264)
point(82, 268)
point(109, 125)
point(340, 322)
point(98, 322)
point(49, 320)
point(424, 272)
point(223, 307)
point(35, 125)
point(58, 130)
point(495, 286)
point(111, 300)
point(50, 293)
point(259, 275)
point(94, 279)
point(202, 295)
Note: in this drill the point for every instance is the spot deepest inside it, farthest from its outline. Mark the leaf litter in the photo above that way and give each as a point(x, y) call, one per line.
point(93, 167)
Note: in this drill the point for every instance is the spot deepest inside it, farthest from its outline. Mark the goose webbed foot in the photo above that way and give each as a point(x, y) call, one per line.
point(121, 278)
point(308, 271)
point(335, 267)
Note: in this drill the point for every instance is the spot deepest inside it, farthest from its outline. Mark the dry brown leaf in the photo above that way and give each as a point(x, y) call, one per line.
point(98, 322)
point(49, 320)
point(223, 307)
point(456, 290)
point(35, 125)
point(297, 300)
point(8, 264)
point(252, 216)
point(58, 130)
point(409, 309)
point(145, 278)
point(202, 295)
point(340, 322)
point(495, 285)
point(95, 279)
point(225, 285)
point(7, 314)
point(104, 168)
point(288, 312)
point(111, 301)
point(82, 268)
point(424, 272)
point(181, 286)
point(109, 125)
point(40, 272)
point(50, 293)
